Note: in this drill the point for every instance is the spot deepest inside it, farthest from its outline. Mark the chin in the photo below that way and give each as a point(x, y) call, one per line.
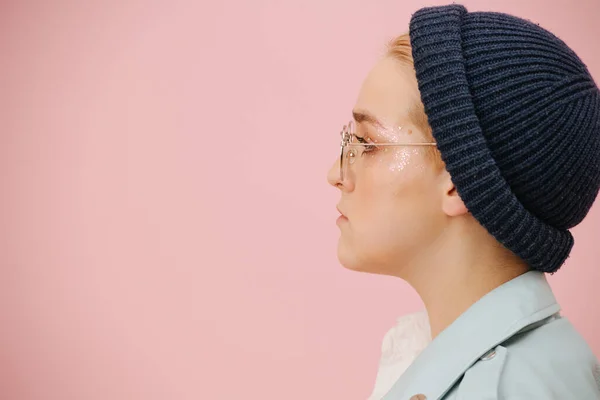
point(354, 262)
point(352, 266)
point(350, 259)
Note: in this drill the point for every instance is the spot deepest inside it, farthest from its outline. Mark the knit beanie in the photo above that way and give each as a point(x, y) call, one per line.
point(516, 117)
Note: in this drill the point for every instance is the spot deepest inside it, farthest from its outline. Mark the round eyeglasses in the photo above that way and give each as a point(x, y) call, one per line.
point(352, 146)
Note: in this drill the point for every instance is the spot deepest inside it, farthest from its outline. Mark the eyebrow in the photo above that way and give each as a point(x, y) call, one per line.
point(365, 116)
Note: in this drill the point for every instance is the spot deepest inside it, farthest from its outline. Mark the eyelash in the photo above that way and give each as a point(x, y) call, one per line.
point(369, 147)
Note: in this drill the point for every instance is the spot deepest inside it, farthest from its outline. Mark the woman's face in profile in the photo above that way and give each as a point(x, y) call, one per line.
point(389, 195)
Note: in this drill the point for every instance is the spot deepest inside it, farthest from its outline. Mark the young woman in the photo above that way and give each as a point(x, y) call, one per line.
point(474, 148)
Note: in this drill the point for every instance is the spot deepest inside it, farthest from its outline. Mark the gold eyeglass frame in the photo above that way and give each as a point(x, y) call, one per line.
point(347, 136)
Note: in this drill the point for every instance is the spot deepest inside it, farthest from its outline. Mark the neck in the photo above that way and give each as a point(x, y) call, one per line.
point(452, 281)
point(446, 298)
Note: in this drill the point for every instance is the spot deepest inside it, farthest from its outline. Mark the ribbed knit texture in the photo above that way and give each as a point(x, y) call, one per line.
point(516, 116)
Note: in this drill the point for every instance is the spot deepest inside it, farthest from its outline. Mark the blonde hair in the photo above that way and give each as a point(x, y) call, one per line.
point(400, 49)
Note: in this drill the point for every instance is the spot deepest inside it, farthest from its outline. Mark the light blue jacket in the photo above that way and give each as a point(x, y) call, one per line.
point(511, 345)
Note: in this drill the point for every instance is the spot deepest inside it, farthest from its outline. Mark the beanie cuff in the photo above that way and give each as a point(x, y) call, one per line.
point(435, 35)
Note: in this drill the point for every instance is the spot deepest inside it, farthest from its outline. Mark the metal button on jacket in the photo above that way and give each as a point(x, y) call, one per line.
point(489, 355)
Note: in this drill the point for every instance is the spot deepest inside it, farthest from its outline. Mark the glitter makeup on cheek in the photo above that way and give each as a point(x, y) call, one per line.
point(401, 158)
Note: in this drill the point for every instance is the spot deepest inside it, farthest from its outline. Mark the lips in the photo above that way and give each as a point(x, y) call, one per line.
point(342, 215)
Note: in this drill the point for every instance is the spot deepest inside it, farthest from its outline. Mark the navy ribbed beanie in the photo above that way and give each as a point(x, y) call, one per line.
point(516, 115)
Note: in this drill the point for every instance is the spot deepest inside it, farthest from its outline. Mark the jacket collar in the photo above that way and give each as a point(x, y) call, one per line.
point(496, 317)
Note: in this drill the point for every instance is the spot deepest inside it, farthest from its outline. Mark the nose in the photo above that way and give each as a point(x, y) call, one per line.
point(333, 176)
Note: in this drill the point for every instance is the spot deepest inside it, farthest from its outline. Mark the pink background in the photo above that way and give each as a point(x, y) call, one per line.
point(167, 230)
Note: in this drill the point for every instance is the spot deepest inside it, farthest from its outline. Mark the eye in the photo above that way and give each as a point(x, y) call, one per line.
point(369, 146)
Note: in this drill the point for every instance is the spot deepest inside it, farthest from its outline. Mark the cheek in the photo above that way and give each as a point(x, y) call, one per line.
point(404, 164)
point(412, 194)
point(395, 166)
point(398, 199)
point(396, 173)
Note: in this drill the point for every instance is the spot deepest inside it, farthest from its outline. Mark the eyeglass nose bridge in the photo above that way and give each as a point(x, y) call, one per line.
point(345, 135)
point(344, 139)
point(347, 153)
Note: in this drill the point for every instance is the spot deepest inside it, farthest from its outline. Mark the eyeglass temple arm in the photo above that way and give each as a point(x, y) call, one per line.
point(392, 144)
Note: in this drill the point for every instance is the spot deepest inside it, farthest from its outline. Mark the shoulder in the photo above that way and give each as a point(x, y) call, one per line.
point(551, 361)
